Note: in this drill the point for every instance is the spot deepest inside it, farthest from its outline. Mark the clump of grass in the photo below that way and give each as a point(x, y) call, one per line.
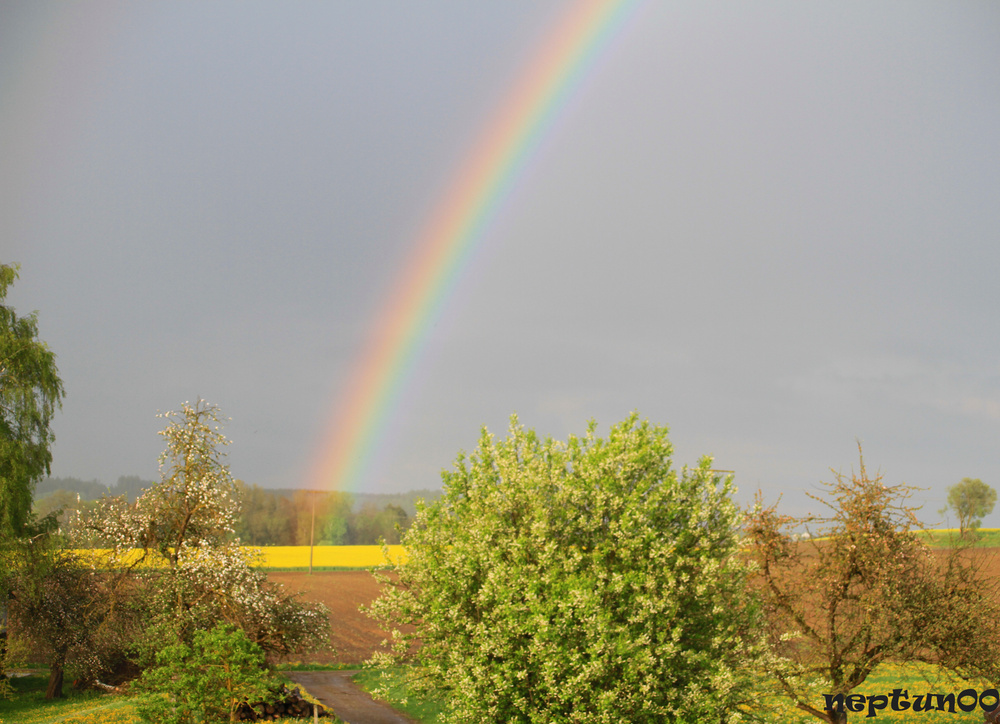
point(300, 666)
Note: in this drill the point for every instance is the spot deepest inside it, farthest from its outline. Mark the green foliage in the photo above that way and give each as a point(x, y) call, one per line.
point(30, 392)
point(207, 681)
point(585, 581)
point(267, 519)
point(51, 598)
point(369, 525)
point(61, 504)
point(971, 499)
point(321, 517)
point(325, 518)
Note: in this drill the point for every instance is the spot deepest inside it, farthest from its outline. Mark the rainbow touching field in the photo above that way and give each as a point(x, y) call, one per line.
point(456, 227)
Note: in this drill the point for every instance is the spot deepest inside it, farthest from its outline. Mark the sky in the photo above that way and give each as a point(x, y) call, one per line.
point(771, 226)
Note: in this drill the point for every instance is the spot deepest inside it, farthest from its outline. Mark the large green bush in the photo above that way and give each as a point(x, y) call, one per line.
point(585, 581)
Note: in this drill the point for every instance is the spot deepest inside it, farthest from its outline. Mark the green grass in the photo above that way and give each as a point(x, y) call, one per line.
point(916, 679)
point(299, 666)
point(946, 537)
point(424, 709)
point(29, 706)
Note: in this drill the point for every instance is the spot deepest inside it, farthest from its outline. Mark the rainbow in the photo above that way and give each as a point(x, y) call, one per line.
point(455, 228)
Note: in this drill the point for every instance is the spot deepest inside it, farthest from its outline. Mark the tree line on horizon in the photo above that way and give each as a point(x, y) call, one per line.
point(268, 516)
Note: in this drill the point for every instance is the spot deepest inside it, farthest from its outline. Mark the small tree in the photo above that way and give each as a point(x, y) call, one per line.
point(585, 581)
point(30, 393)
point(207, 681)
point(864, 590)
point(51, 605)
point(971, 499)
point(187, 523)
point(71, 614)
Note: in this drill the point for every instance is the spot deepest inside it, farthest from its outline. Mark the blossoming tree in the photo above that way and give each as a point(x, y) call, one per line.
point(585, 581)
point(195, 572)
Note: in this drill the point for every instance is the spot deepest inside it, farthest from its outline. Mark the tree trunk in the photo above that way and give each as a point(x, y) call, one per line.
point(55, 688)
point(837, 717)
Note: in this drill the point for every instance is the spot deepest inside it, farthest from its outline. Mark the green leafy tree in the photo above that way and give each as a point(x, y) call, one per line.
point(267, 518)
point(370, 525)
point(207, 681)
point(585, 581)
point(971, 499)
point(322, 518)
point(30, 392)
point(864, 590)
point(61, 503)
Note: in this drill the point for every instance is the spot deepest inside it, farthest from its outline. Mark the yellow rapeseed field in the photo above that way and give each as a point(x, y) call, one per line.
point(328, 556)
point(282, 556)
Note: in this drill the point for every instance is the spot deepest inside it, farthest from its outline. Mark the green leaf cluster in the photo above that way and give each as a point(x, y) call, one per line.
point(971, 499)
point(204, 682)
point(30, 392)
point(584, 581)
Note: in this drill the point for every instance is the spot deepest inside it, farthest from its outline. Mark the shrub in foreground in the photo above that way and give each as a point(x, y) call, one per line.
point(584, 581)
point(205, 682)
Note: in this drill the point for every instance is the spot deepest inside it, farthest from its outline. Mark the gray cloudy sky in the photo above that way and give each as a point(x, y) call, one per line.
point(771, 226)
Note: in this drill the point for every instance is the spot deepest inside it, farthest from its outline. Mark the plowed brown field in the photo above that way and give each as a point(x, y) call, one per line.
point(353, 636)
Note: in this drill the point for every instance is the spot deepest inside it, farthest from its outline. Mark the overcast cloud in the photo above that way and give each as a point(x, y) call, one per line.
point(771, 226)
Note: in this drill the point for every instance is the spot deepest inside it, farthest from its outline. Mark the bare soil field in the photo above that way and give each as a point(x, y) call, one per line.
point(353, 636)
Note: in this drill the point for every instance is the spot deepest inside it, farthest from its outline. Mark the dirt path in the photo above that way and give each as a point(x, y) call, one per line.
point(346, 699)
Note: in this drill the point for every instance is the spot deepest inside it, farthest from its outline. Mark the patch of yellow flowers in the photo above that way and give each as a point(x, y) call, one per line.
point(280, 556)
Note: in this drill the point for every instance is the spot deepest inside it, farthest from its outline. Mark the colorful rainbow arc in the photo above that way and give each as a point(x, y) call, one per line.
point(446, 244)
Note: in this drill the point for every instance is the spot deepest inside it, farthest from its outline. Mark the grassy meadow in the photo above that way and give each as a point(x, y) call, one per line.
point(29, 706)
point(945, 538)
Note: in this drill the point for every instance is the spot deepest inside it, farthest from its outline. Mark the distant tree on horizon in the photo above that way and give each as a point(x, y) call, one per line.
point(972, 500)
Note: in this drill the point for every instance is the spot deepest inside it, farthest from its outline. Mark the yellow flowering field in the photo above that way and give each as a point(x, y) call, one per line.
point(328, 556)
point(281, 556)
